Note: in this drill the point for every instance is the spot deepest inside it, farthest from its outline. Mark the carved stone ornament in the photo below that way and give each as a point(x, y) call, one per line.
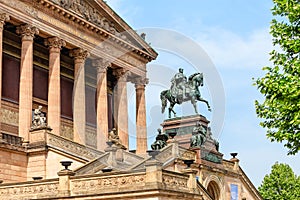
point(121, 74)
point(55, 42)
point(27, 31)
point(140, 81)
point(79, 53)
point(89, 13)
point(3, 18)
point(39, 119)
point(101, 64)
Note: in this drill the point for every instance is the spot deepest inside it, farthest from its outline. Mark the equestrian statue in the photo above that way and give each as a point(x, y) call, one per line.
point(182, 90)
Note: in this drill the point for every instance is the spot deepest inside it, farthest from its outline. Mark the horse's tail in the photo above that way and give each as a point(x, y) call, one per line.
point(163, 100)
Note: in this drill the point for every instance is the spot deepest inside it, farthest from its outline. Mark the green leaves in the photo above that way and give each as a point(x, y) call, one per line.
point(280, 184)
point(281, 83)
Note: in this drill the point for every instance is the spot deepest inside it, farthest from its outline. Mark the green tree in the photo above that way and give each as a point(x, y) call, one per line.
point(281, 83)
point(280, 184)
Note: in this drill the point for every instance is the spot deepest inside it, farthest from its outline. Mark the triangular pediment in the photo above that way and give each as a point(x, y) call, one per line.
point(100, 14)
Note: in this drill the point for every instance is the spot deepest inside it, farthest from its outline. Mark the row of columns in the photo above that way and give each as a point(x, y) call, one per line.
point(55, 45)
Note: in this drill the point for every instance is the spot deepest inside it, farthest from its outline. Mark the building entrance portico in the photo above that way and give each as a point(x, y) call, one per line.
point(64, 58)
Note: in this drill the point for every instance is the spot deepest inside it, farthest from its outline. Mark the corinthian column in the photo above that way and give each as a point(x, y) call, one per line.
point(141, 125)
point(27, 33)
point(55, 44)
point(79, 117)
point(102, 111)
point(3, 18)
point(121, 106)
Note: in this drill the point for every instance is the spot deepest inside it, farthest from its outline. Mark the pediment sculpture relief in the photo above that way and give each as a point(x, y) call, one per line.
point(91, 14)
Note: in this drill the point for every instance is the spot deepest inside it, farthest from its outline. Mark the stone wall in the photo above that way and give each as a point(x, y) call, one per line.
point(13, 163)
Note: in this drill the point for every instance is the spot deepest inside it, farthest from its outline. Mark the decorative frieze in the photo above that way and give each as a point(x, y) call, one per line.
point(173, 181)
point(186, 154)
point(165, 154)
point(66, 130)
point(27, 31)
point(10, 117)
point(91, 136)
point(72, 148)
point(27, 191)
point(90, 186)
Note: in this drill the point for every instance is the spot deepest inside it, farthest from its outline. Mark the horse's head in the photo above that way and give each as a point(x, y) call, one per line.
point(196, 79)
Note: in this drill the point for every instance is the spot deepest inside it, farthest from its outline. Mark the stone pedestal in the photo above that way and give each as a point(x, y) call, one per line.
point(183, 126)
point(39, 135)
point(64, 182)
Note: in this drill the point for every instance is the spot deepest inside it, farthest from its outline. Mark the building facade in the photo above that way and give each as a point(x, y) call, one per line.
point(70, 62)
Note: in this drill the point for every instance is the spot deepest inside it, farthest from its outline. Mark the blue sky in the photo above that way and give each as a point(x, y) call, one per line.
point(234, 37)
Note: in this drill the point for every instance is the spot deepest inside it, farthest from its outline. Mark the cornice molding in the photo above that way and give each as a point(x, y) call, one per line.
point(102, 27)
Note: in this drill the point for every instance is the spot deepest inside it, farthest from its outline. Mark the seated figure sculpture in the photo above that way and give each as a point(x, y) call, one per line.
point(198, 135)
point(39, 119)
point(160, 141)
point(114, 138)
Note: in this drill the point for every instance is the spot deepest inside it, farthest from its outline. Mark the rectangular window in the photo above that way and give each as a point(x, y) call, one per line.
point(66, 97)
point(233, 192)
point(90, 105)
point(10, 78)
point(40, 83)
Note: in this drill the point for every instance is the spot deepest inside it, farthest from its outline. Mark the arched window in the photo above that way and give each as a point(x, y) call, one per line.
point(214, 190)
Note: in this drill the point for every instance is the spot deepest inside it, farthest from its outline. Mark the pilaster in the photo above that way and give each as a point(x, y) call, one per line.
point(79, 116)
point(102, 111)
point(141, 124)
point(3, 18)
point(121, 106)
point(27, 33)
point(54, 108)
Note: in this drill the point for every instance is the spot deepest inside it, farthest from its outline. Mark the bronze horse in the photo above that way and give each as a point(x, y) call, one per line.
point(192, 94)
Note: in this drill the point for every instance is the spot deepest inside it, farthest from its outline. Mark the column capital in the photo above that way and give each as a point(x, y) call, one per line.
point(79, 54)
point(140, 82)
point(3, 18)
point(101, 64)
point(121, 74)
point(27, 31)
point(55, 43)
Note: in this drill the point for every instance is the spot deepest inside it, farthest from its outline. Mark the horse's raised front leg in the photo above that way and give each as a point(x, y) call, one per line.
point(203, 100)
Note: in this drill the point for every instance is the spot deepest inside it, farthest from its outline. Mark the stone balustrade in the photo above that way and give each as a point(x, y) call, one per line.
point(29, 190)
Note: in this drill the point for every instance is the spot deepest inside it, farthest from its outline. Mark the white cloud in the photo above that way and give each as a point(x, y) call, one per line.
point(230, 50)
